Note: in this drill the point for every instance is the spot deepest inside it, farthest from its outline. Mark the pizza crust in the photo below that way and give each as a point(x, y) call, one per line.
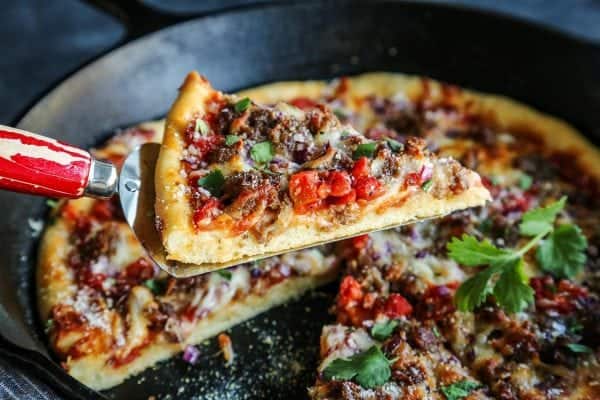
point(216, 248)
point(94, 371)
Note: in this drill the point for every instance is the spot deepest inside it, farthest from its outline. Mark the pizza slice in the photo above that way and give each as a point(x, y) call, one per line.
point(237, 180)
point(109, 313)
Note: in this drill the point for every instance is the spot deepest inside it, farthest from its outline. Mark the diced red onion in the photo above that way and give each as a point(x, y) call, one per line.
point(191, 354)
point(426, 172)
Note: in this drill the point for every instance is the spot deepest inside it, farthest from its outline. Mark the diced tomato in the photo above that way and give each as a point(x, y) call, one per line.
point(140, 270)
point(397, 306)
point(309, 207)
point(368, 188)
point(303, 103)
point(324, 190)
point(340, 183)
point(304, 187)
point(88, 278)
point(361, 168)
point(340, 201)
point(360, 242)
point(350, 291)
point(413, 179)
point(207, 211)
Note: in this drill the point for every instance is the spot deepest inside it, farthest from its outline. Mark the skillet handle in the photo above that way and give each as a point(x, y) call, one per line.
point(138, 18)
point(35, 164)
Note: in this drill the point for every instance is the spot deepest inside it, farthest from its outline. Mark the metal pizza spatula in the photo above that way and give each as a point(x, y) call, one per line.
point(38, 165)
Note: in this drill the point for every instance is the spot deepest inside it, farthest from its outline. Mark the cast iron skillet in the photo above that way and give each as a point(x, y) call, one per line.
point(244, 47)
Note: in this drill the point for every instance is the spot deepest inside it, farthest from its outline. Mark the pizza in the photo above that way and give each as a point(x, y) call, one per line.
point(410, 323)
point(237, 180)
point(403, 326)
point(109, 312)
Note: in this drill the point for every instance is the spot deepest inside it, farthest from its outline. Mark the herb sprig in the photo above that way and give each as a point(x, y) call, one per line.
point(560, 251)
point(369, 368)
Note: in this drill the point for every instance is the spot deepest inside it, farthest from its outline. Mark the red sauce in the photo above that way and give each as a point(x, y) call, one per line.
point(564, 297)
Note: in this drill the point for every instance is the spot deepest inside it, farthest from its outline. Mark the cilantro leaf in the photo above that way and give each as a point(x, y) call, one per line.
point(369, 368)
point(242, 105)
point(52, 203)
point(201, 127)
point(231, 139)
point(383, 330)
point(459, 390)
point(427, 185)
point(156, 287)
point(262, 152)
point(364, 150)
point(579, 348)
point(540, 220)
point(225, 274)
point(394, 145)
point(562, 253)
point(525, 181)
point(512, 291)
point(471, 252)
point(213, 182)
point(474, 290)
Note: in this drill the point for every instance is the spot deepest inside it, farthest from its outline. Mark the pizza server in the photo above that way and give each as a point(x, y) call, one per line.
point(38, 165)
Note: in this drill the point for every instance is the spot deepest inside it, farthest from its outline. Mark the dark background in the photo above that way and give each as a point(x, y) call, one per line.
point(44, 40)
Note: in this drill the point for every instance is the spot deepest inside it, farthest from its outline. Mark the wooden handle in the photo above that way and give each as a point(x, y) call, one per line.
point(35, 164)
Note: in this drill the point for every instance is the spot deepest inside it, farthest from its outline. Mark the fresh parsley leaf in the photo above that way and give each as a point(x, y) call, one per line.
point(155, 286)
point(575, 328)
point(52, 203)
point(213, 182)
point(579, 348)
point(525, 181)
point(231, 139)
point(436, 332)
point(473, 292)
point(427, 185)
point(262, 152)
point(540, 220)
point(471, 252)
point(562, 253)
point(201, 127)
point(225, 274)
point(242, 105)
point(364, 150)
point(512, 291)
point(394, 145)
point(383, 330)
point(369, 368)
point(460, 389)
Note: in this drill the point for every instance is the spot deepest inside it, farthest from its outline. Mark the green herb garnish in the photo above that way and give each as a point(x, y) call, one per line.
point(225, 274)
point(394, 145)
point(156, 287)
point(383, 330)
point(242, 105)
point(262, 152)
point(213, 182)
point(201, 127)
point(369, 368)
point(525, 181)
point(427, 185)
point(364, 150)
point(231, 139)
point(579, 348)
point(460, 389)
point(560, 251)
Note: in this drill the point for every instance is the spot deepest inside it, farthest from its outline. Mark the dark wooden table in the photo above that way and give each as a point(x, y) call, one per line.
point(43, 41)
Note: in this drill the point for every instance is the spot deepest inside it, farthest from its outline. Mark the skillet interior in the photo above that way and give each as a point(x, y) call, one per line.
point(249, 46)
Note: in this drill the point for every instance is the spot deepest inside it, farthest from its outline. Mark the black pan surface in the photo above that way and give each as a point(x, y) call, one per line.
point(252, 45)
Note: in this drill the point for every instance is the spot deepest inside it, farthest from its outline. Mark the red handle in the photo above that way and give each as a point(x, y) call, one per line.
point(35, 164)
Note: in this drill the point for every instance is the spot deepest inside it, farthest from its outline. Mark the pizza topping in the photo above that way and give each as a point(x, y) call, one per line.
point(459, 390)
point(191, 354)
point(383, 330)
point(226, 347)
point(213, 182)
point(505, 277)
point(369, 368)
